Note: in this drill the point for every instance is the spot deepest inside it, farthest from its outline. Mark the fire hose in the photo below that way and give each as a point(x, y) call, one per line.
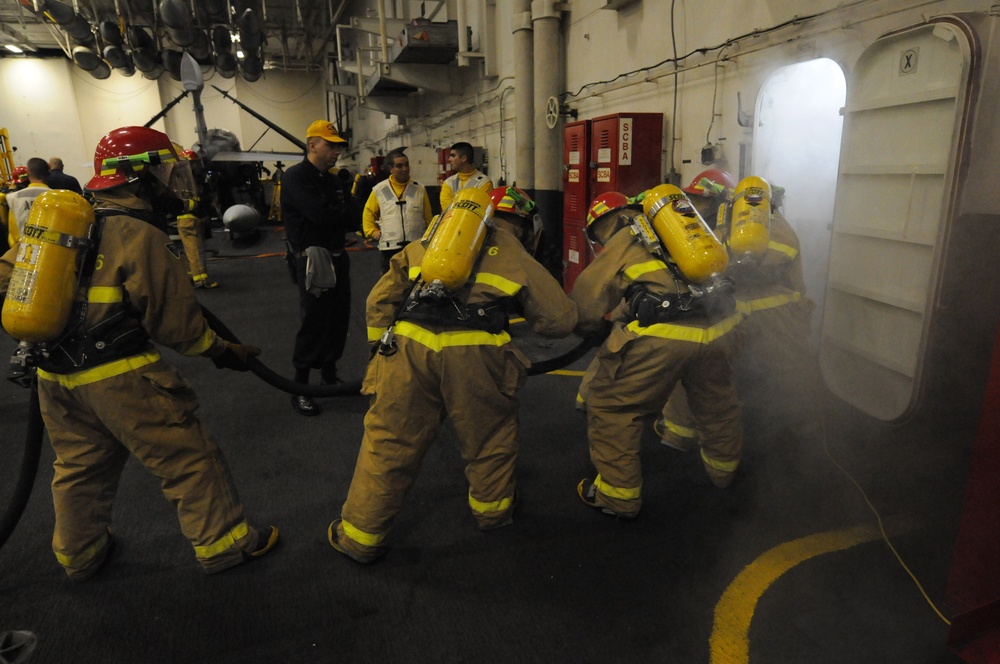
point(36, 427)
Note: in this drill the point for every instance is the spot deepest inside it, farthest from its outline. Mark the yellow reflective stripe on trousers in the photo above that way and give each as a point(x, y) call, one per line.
point(85, 555)
point(502, 284)
point(677, 429)
point(749, 306)
point(724, 466)
point(496, 506)
point(684, 333)
point(438, 340)
point(360, 536)
point(104, 294)
point(789, 251)
point(88, 376)
point(617, 492)
point(634, 272)
point(203, 344)
point(375, 333)
point(225, 542)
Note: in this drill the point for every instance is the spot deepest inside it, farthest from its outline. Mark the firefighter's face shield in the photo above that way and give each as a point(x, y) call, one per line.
point(602, 229)
point(181, 180)
point(527, 229)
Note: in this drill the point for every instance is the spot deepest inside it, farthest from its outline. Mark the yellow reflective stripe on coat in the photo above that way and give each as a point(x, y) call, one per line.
point(438, 340)
point(502, 284)
point(617, 492)
point(789, 251)
point(375, 333)
point(496, 506)
point(104, 294)
point(684, 333)
point(634, 272)
point(85, 555)
point(88, 376)
point(724, 466)
point(749, 306)
point(360, 536)
point(225, 542)
point(204, 343)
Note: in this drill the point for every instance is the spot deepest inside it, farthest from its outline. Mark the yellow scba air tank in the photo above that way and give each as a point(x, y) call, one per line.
point(749, 231)
point(44, 281)
point(454, 241)
point(686, 237)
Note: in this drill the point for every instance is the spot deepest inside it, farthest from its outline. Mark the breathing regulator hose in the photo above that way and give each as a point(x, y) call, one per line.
point(36, 427)
point(29, 468)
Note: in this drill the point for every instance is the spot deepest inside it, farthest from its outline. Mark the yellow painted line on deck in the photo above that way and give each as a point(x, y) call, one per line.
point(565, 372)
point(730, 642)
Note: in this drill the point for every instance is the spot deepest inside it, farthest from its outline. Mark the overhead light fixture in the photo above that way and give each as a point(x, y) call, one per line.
point(239, 53)
point(13, 48)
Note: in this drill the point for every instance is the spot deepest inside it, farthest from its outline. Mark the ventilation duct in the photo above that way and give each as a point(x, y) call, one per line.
point(172, 62)
point(201, 48)
point(217, 10)
point(252, 67)
point(91, 62)
point(249, 28)
point(110, 33)
point(225, 64)
point(75, 25)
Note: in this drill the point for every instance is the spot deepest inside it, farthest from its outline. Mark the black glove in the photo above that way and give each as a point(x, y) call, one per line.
point(235, 356)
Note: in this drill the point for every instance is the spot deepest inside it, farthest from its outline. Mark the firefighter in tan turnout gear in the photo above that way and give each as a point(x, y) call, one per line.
point(104, 390)
point(770, 293)
point(679, 326)
point(438, 319)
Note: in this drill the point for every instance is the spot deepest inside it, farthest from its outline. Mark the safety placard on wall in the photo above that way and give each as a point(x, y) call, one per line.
point(574, 157)
point(574, 175)
point(625, 141)
point(603, 155)
point(573, 256)
point(604, 174)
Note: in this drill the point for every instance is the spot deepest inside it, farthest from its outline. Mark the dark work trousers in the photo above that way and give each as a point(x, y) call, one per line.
point(319, 343)
point(386, 257)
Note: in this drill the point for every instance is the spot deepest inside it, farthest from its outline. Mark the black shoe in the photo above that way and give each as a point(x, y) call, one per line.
point(106, 554)
point(16, 646)
point(587, 491)
point(506, 522)
point(267, 539)
point(305, 406)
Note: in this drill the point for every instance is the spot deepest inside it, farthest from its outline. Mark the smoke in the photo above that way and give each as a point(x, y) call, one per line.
point(797, 146)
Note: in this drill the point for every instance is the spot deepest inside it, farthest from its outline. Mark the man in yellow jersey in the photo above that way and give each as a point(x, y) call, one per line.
point(398, 209)
point(105, 393)
point(466, 174)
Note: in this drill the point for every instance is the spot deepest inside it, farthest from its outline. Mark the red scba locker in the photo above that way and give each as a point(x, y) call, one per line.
point(623, 153)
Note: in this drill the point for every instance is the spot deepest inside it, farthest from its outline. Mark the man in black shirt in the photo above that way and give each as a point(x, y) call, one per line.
point(317, 214)
point(59, 180)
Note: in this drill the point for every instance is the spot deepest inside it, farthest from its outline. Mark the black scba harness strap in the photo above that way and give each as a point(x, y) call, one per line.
point(450, 313)
point(113, 338)
point(648, 309)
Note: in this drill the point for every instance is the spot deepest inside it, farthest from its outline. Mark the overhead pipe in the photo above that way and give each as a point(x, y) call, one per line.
point(383, 37)
point(524, 108)
point(545, 18)
point(463, 34)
